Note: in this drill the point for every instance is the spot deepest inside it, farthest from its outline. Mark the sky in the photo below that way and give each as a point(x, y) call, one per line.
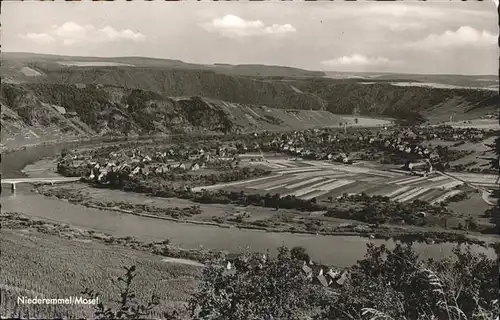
point(412, 37)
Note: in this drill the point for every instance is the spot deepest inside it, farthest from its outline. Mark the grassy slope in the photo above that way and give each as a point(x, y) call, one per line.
point(44, 265)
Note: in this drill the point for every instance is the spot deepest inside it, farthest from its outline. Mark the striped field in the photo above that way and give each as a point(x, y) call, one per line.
point(321, 180)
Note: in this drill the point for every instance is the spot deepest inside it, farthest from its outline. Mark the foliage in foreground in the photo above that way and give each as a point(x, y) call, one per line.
point(257, 288)
point(128, 306)
point(386, 284)
point(396, 285)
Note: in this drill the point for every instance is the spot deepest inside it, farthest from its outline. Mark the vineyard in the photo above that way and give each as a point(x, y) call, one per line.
point(45, 266)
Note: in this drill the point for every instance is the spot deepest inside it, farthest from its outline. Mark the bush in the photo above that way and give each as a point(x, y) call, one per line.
point(129, 307)
point(386, 284)
point(257, 288)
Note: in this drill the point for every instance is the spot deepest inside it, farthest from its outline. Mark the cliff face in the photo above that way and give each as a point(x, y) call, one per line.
point(335, 95)
point(379, 98)
point(49, 111)
point(171, 82)
point(51, 96)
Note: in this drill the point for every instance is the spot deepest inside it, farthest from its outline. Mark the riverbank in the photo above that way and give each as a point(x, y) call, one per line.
point(343, 249)
point(340, 250)
point(44, 259)
point(254, 218)
point(15, 220)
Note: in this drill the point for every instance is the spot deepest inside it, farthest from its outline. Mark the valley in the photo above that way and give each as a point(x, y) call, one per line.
point(167, 165)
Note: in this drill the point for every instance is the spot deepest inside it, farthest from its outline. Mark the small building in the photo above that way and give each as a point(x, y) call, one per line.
point(195, 167)
point(136, 170)
point(321, 279)
point(307, 269)
point(342, 279)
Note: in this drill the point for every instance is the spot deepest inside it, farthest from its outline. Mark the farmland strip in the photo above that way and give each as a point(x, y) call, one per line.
point(297, 170)
point(401, 180)
point(414, 195)
point(339, 184)
point(397, 191)
point(299, 184)
point(314, 194)
point(445, 196)
point(300, 192)
point(452, 184)
point(438, 178)
point(412, 181)
point(406, 194)
point(275, 187)
point(222, 185)
point(282, 179)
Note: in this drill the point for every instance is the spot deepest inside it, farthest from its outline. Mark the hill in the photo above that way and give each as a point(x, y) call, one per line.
point(238, 70)
point(404, 102)
point(40, 112)
point(134, 94)
point(335, 95)
point(470, 81)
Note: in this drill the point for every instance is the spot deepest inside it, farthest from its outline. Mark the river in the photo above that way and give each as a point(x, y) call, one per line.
point(335, 250)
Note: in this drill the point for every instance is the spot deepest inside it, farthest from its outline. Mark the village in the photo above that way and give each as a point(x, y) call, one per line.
point(391, 147)
point(339, 174)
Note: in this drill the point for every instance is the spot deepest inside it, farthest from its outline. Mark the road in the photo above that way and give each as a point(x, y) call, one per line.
point(486, 194)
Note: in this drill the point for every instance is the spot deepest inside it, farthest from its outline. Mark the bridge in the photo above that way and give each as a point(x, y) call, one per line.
point(14, 182)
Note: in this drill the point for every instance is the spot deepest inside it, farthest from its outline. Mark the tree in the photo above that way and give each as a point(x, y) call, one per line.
point(299, 253)
point(396, 284)
point(64, 153)
point(257, 288)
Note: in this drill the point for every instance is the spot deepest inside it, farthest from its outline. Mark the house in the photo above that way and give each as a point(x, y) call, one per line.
point(136, 170)
point(419, 166)
point(195, 167)
point(158, 170)
point(342, 279)
point(321, 279)
point(333, 274)
point(307, 270)
point(206, 157)
point(102, 175)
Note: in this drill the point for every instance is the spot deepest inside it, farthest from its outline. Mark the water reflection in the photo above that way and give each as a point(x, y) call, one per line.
point(339, 250)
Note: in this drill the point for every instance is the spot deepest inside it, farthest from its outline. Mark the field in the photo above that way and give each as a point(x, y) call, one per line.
point(322, 180)
point(485, 124)
point(482, 152)
point(208, 211)
point(41, 265)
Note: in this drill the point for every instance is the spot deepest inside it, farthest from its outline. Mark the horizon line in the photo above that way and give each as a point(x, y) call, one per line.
point(253, 64)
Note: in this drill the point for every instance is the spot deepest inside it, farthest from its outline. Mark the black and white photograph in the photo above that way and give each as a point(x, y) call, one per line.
point(244, 160)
